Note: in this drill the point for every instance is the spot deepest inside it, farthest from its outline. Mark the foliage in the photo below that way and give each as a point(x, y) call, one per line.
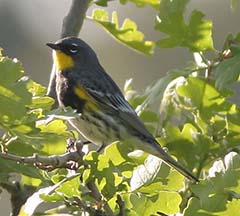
point(196, 121)
point(127, 33)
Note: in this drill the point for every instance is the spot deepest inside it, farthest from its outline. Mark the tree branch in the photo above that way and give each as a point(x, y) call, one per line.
point(50, 162)
point(73, 21)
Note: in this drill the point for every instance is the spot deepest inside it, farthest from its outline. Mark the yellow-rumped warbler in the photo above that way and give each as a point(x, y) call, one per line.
point(105, 116)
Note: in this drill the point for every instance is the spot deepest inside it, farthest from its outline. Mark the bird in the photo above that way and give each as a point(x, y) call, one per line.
point(105, 115)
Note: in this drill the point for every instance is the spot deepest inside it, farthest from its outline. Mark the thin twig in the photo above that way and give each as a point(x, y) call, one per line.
point(98, 197)
point(121, 205)
point(83, 205)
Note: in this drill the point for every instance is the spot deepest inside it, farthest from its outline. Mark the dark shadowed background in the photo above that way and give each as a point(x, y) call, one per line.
point(27, 25)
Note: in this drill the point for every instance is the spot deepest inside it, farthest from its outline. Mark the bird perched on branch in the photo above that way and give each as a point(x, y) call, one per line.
point(104, 114)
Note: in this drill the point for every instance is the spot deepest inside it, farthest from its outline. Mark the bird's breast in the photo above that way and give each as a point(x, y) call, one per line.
point(66, 95)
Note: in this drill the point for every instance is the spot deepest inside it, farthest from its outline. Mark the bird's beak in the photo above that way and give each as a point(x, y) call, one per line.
point(53, 46)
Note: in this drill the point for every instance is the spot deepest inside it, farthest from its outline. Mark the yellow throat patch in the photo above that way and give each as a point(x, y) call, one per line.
point(62, 61)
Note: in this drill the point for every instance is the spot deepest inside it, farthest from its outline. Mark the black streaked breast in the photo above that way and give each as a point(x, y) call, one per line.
point(65, 93)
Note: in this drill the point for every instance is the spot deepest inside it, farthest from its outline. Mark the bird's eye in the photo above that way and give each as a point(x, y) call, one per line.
point(73, 48)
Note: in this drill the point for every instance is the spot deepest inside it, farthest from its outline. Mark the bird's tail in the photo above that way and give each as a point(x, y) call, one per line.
point(160, 153)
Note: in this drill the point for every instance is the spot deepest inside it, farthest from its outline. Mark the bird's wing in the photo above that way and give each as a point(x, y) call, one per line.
point(107, 93)
point(116, 103)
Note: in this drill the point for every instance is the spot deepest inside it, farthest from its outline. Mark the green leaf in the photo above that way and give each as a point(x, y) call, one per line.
point(53, 137)
point(70, 188)
point(216, 195)
point(156, 91)
point(149, 116)
point(195, 35)
point(232, 208)
point(14, 95)
point(199, 35)
point(42, 102)
point(103, 173)
point(113, 153)
point(181, 144)
point(202, 96)
point(127, 33)
point(13, 167)
point(11, 71)
point(210, 200)
point(147, 172)
point(209, 205)
point(226, 174)
point(233, 126)
point(154, 175)
point(194, 208)
point(55, 197)
point(143, 3)
point(35, 200)
point(228, 72)
point(111, 171)
point(164, 202)
point(26, 180)
point(171, 182)
point(39, 98)
point(36, 89)
point(102, 3)
point(46, 138)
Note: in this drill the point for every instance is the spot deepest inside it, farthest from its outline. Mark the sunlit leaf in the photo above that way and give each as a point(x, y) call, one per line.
point(213, 195)
point(195, 34)
point(35, 182)
point(157, 90)
point(70, 188)
point(146, 173)
point(14, 96)
point(142, 3)
point(154, 176)
point(102, 3)
point(127, 33)
point(53, 137)
point(203, 96)
point(232, 207)
point(164, 202)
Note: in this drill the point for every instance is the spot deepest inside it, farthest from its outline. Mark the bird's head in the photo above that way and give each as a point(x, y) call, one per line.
point(71, 51)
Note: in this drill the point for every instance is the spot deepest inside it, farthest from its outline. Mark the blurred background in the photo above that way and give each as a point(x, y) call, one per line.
point(27, 25)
